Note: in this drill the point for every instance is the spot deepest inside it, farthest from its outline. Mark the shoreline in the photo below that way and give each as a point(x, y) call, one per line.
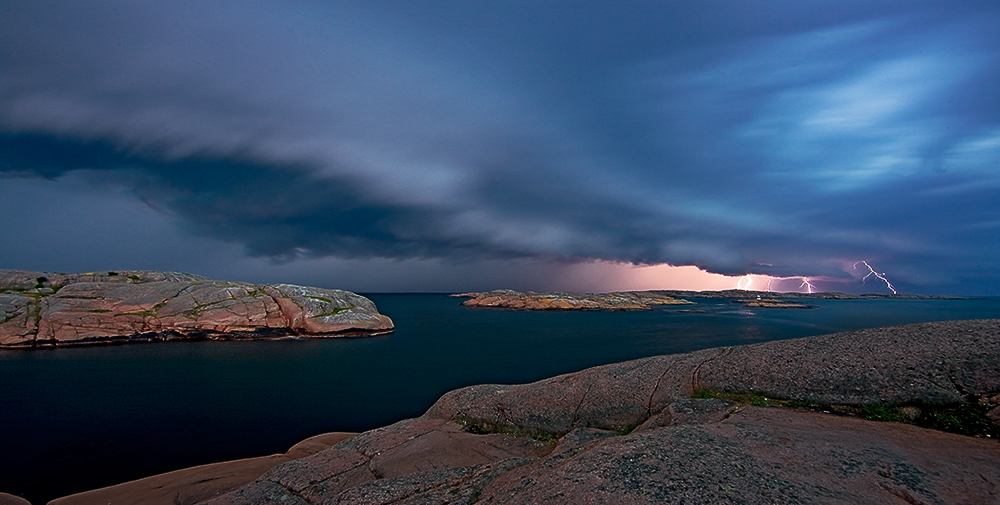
point(754, 368)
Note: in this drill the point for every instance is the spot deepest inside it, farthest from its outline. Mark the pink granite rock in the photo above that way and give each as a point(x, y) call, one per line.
point(44, 309)
point(417, 455)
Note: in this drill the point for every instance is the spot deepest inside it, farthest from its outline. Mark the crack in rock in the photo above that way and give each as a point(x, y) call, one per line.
point(695, 375)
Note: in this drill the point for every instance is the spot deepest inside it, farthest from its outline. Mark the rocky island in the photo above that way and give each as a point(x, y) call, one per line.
point(647, 300)
point(622, 300)
point(770, 303)
point(43, 309)
point(897, 415)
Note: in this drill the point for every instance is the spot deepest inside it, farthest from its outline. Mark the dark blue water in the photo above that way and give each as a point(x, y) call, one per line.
point(80, 418)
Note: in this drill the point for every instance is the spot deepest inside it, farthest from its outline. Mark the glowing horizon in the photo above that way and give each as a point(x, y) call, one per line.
point(613, 276)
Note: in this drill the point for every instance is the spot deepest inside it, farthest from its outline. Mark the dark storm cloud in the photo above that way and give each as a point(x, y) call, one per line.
point(285, 211)
point(726, 135)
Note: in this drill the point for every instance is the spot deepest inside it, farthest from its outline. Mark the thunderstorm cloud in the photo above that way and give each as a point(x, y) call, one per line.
point(445, 141)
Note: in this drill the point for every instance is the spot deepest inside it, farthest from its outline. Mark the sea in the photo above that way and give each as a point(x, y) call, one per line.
point(74, 419)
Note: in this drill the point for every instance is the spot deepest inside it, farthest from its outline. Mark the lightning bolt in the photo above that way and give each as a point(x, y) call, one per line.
point(880, 276)
point(747, 280)
point(805, 282)
point(741, 285)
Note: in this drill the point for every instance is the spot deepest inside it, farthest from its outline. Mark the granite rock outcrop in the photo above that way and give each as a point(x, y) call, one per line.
point(42, 309)
point(777, 422)
point(766, 303)
point(617, 301)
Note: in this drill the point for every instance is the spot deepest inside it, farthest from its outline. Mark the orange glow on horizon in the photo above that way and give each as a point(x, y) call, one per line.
point(610, 276)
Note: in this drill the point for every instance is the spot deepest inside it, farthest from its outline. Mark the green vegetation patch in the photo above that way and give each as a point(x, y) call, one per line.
point(195, 312)
point(332, 312)
point(881, 412)
point(320, 298)
point(487, 428)
point(35, 311)
point(967, 419)
point(970, 419)
point(742, 397)
point(625, 430)
point(24, 291)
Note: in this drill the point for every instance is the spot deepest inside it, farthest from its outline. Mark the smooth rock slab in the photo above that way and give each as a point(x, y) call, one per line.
point(406, 459)
point(941, 362)
point(765, 456)
point(608, 397)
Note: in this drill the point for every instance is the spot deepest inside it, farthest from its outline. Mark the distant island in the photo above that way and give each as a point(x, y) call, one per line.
point(770, 303)
point(647, 300)
point(623, 300)
point(44, 309)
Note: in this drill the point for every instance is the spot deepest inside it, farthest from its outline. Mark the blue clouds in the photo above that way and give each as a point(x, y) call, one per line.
point(833, 137)
point(723, 135)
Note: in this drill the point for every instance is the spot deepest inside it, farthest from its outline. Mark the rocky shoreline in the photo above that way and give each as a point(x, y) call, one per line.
point(648, 300)
point(790, 421)
point(45, 309)
point(770, 303)
point(617, 301)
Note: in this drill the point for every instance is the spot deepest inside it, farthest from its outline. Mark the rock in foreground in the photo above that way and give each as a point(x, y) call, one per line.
point(41, 309)
point(632, 433)
point(624, 300)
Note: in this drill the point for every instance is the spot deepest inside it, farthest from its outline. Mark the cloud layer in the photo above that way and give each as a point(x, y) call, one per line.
point(786, 141)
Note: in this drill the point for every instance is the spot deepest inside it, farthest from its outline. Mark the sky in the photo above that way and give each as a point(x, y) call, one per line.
point(471, 145)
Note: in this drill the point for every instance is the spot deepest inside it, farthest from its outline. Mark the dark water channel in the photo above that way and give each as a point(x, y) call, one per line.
point(80, 418)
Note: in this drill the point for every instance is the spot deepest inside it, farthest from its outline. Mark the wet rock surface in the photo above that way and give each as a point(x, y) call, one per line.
point(632, 433)
point(42, 309)
point(624, 300)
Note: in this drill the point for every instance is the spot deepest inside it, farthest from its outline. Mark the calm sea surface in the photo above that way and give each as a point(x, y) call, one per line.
point(80, 418)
